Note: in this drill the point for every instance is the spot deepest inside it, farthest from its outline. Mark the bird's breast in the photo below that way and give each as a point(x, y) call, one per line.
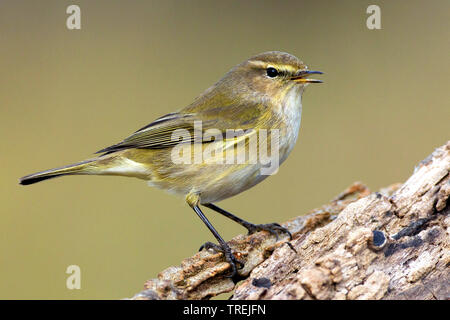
point(290, 115)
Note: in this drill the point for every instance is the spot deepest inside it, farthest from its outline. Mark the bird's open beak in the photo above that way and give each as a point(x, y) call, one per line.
point(301, 77)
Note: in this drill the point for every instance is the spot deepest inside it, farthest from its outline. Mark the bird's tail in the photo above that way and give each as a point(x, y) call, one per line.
point(84, 167)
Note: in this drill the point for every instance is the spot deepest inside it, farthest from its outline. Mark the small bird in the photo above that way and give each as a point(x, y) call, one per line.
point(262, 94)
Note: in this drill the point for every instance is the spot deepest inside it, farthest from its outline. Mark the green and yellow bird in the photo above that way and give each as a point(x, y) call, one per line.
point(261, 95)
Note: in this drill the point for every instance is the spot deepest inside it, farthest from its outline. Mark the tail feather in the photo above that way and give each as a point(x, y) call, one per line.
point(76, 168)
point(30, 179)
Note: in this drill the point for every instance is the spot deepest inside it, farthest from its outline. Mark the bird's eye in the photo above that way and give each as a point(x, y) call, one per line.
point(272, 72)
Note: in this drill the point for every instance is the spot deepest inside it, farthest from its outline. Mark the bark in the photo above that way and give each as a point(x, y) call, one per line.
point(390, 244)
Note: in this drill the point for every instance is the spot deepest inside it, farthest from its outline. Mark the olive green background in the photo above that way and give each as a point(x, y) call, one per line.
point(65, 94)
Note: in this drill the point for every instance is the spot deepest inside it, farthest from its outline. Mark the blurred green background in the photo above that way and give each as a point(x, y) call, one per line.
point(65, 94)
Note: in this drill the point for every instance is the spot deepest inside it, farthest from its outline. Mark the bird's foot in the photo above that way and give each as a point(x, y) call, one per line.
point(229, 257)
point(273, 228)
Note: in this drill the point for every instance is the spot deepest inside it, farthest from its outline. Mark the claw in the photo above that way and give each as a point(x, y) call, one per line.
point(209, 245)
point(270, 227)
point(291, 246)
point(229, 257)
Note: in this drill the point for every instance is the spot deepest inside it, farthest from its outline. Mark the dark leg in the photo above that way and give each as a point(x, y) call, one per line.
point(222, 244)
point(273, 228)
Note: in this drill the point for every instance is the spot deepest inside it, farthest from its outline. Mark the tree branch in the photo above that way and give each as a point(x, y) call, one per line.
point(391, 244)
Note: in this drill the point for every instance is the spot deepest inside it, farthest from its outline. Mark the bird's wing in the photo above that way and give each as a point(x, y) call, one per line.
point(159, 133)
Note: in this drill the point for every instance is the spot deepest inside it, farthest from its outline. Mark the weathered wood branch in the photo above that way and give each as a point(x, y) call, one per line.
point(391, 244)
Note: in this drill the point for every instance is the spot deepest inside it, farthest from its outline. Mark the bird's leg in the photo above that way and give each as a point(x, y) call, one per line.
point(222, 247)
point(273, 228)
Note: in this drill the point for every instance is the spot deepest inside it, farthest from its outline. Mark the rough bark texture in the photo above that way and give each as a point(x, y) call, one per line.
point(391, 244)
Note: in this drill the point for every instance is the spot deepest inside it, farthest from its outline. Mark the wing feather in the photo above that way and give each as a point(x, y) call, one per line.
point(158, 134)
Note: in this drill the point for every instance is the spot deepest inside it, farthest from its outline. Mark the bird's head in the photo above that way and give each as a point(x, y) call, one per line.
point(269, 75)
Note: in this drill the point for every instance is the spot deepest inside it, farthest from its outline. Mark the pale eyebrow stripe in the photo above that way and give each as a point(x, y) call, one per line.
point(280, 67)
